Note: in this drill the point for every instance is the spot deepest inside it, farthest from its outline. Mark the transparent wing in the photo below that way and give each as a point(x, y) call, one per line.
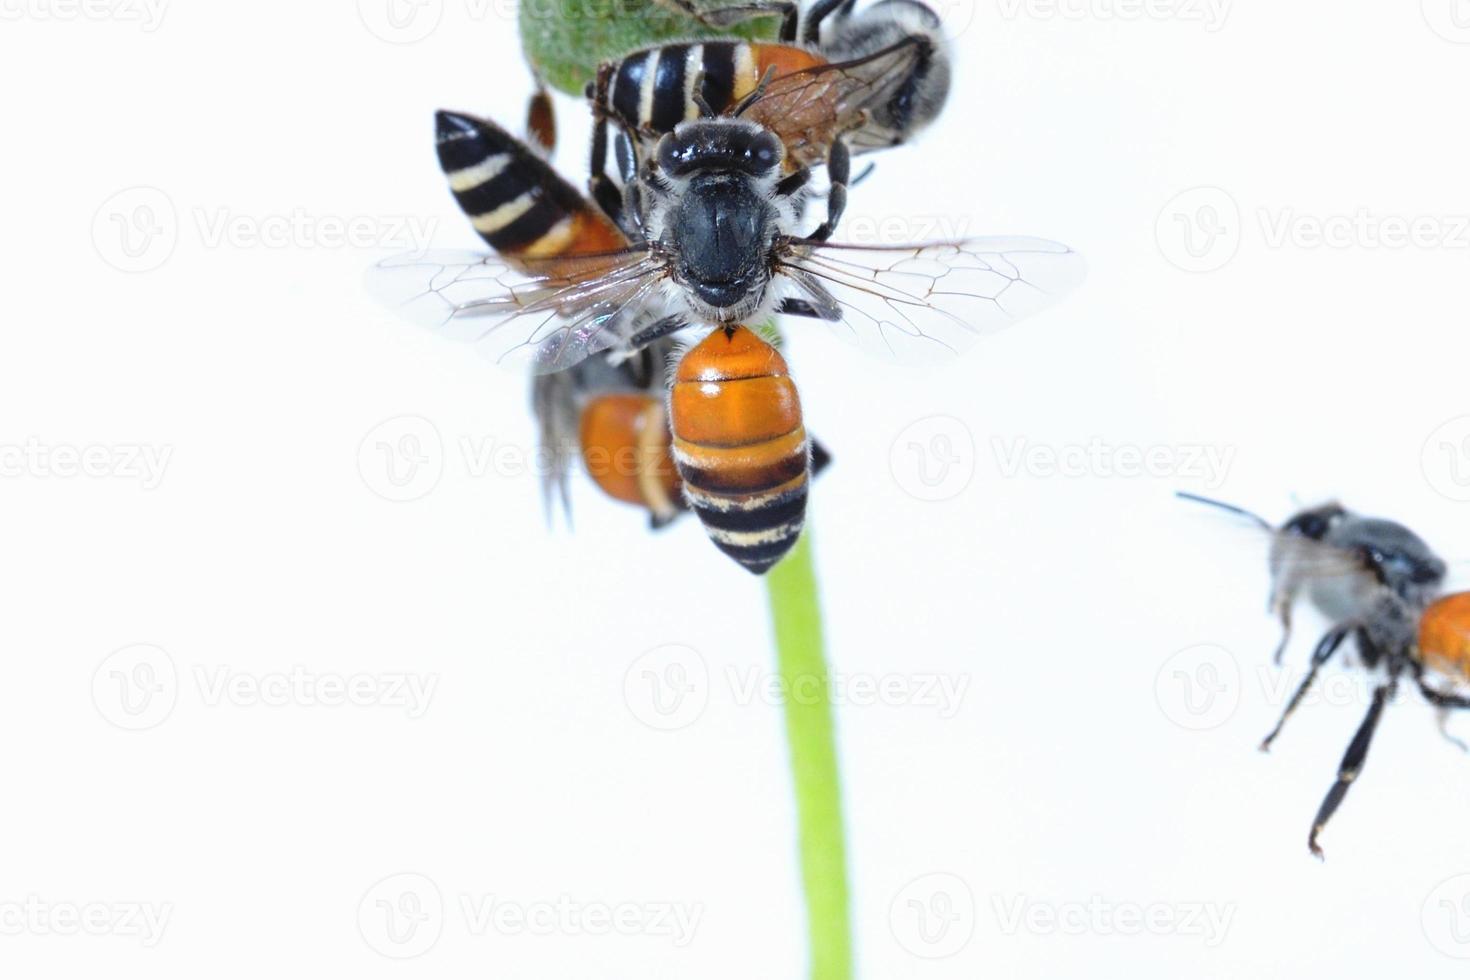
point(535, 315)
point(926, 303)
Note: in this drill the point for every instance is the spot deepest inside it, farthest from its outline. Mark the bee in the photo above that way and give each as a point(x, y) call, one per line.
point(716, 247)
point(1378, 582)
point(875, 80)
point(614, 418)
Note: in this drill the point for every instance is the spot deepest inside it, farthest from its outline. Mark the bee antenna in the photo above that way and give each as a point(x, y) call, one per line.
point(1241, 511)
point(755, 95)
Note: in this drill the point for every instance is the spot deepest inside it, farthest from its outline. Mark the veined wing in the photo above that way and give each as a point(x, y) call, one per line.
point(808, 108)
point(530, 315)
point(926, 303)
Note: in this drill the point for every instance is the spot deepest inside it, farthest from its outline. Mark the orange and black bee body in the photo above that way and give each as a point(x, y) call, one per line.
point(1444, 636)
point(653, 90)
point(521, 207)
point(740, 446)
point(627, 449)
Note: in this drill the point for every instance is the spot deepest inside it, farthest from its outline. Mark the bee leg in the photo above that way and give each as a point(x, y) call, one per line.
point(1352, 762)
point(1283, 611)
point(1445, 702)
point(1325, 649)
point(839, 166)
point(657, 330)
point(541, 122)
point(811, 31)
point(821, 458)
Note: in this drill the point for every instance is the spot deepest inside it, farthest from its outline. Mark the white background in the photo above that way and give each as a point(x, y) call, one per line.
point(1088, 761)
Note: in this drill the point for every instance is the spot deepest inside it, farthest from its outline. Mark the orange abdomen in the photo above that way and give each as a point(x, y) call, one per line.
point(740, 446)
point(1444, 635)
point(626, 447)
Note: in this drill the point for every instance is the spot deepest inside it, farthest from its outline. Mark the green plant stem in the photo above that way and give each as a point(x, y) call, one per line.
point(796, 617)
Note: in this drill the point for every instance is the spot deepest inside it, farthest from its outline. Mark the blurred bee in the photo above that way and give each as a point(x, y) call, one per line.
point(1378, 582)
point(873, 81)
point(614, 419)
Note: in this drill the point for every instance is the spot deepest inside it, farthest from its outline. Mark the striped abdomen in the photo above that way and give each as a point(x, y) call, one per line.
point(1444, 635)
point(518, 204)
point(653, 90)
point(626, 449)
point(740, 446)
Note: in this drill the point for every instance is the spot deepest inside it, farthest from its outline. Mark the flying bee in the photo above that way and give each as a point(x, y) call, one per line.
point(715, 247)
point(1378, 582)
point(1342, 561)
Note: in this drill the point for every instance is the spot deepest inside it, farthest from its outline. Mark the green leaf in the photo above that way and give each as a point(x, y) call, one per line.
point(565, 40)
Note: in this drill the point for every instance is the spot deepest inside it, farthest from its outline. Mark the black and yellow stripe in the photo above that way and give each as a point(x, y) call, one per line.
point(518, 204)
point(653, 90)
point(740, 447)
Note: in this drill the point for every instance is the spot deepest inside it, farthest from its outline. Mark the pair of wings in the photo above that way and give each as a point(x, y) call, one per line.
point(916, 304)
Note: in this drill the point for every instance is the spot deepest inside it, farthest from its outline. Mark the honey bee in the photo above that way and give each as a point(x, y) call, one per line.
point(873, 81)
point(715, 247)
point(1378, 582)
